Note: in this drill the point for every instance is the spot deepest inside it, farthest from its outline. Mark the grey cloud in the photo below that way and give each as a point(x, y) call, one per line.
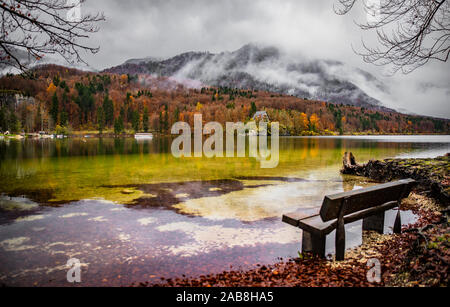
point(164, 28)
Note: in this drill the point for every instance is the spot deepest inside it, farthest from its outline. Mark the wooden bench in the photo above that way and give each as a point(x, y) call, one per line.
point(368, 204)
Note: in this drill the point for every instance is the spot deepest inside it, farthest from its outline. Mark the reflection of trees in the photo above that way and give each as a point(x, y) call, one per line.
point(313, 146)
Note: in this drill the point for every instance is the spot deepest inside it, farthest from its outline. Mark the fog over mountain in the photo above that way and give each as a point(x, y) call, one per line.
point(266, 68)
point(31, 62)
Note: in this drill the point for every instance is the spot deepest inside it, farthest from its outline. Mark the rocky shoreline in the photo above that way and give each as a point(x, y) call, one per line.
point(419, 256)
point(432, 175)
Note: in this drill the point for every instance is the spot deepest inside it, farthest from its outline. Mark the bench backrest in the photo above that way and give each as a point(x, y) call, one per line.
point(361, 199)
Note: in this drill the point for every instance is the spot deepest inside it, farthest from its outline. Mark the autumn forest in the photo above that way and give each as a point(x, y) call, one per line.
point(61, 100)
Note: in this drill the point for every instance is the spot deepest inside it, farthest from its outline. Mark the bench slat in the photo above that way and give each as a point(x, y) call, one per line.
point(292, 218)
point(314, 223)
point(358, 200)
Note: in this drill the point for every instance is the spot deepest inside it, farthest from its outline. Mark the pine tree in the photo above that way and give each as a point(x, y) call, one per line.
point(135, 121)
point(252, 109)
point(56, 80)
point(108, 110)
point(100, 119)
point(14, 123)
point(128, 98)
point(145, 120)
point(176, 115)
point(3, 122)
point(64, 118)
point(55, 108)
point(129, 117)
point(118, 125)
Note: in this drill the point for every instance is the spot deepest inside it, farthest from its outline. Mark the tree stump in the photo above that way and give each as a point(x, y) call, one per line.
point(350, 165)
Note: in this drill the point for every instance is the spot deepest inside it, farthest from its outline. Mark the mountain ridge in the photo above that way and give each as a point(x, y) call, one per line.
point(266, 68)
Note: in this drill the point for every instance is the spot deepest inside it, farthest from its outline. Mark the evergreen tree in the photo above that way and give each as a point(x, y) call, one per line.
point(64, 118)
point(65, 98)
point(128, 99)
point(118, 125)
point(54, 109)
point(56, 80)
point(13, 123)
point(108, 110)
point(252, 109)
point(145, 120)
point(85, 100)
point(338, 120)
point(161, 122)
point(3, 121)
point(176, 115)
point(135, 121)
point(100, 119)
point(129, 117)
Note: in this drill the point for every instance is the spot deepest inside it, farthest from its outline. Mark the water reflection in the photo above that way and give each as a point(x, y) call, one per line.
point(118, 245)
point(48, 148)
point(131, 212)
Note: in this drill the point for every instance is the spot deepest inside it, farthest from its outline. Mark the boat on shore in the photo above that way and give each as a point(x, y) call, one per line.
point(143, 136)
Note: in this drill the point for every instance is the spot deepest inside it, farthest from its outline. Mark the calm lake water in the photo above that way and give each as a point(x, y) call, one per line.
point(131, 212)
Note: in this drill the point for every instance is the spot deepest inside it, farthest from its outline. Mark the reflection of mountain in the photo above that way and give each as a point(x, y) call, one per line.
point(268, 69)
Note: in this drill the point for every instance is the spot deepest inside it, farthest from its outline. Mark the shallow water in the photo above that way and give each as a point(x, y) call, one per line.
point(131, 212)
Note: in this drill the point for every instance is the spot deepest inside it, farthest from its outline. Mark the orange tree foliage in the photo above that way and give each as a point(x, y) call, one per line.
point(313, 122)
point(51, 89)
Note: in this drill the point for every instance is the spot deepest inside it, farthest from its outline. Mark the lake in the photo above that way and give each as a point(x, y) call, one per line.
point(131, 212)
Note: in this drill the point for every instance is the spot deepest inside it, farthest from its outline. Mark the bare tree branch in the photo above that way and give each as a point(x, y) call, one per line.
point(42, 27)
point(410, 32)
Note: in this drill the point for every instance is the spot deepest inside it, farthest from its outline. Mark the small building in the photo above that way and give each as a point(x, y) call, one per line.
point(261, 116)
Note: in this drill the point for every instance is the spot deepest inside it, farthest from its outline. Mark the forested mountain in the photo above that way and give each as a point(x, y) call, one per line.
point(265, 69)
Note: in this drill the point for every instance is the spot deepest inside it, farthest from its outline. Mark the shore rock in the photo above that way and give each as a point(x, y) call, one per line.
point(431, 174)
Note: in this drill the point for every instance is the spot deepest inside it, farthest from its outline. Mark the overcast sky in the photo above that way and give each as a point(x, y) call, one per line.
point(164, 28)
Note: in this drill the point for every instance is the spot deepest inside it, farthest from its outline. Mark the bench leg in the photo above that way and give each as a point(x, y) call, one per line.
point(398, 223)
point(374, 222)
point(313, 243)
point(340, 240)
